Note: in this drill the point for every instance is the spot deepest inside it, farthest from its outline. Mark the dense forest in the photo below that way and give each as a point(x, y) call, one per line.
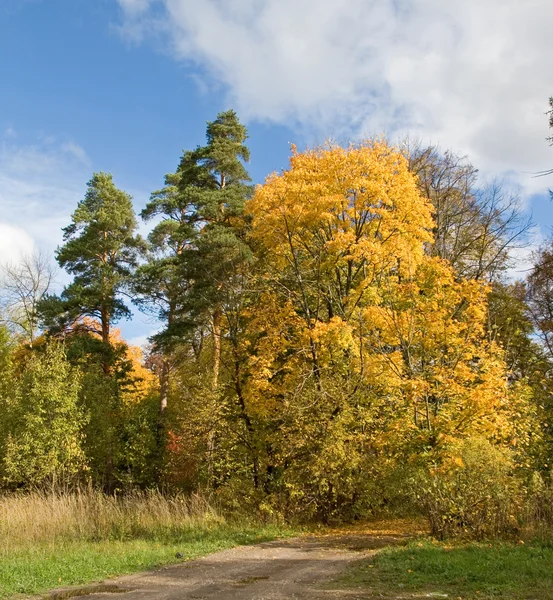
point(335, 343)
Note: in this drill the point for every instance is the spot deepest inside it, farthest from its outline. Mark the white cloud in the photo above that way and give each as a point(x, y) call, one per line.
point(40, 185)
point(76, 152)
point(473, 76)
point(521, 258)
point(14, 243)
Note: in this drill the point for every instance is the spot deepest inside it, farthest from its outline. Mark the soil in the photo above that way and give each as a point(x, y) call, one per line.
point(296, 568)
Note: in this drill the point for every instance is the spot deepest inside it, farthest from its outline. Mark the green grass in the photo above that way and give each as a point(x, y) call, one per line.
point(38, 568)
point(467, 571)
point(58, 539)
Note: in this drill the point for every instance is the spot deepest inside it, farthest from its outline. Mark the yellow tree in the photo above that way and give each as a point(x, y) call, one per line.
point(360, 346)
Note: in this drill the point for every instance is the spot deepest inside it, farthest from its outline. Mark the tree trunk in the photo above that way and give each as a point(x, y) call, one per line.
point(163, 386)
point(217, 314)
point(105, 318)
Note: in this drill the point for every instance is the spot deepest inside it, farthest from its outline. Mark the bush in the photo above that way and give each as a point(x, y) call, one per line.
point(539, 508)
point(471, 492)
point(43, 445)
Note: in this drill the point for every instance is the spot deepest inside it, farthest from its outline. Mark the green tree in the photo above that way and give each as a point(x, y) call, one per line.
point(101, 250)
point(6, 383)
point(198, 243)
point(220, 189)
point(158, 284)
point(45, 422)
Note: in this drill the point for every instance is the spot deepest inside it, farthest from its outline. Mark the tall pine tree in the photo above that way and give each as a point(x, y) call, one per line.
point(101, 250)
point(220, 249)
point(198, 245)
point(159, 285)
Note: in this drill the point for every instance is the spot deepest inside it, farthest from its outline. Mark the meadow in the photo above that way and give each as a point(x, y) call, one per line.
point(514, 570)
point(54, 540)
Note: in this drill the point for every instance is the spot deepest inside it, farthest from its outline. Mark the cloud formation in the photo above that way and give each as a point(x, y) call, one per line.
point(14, 244)
point(472, 76)
point(40, 185)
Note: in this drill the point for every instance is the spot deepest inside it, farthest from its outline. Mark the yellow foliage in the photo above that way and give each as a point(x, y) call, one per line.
point(358, 332)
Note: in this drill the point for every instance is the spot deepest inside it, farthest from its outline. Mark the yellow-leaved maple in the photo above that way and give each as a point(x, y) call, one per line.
point(358, 345)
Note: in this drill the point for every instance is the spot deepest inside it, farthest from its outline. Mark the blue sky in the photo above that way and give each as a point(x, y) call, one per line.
point(125, 85)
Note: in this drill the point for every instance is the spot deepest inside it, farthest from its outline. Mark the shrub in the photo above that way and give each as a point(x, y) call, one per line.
point(539, 508)
point(43, 446)
point(471, 492)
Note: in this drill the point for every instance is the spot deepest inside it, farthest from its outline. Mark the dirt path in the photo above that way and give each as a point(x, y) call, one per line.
point(294, 568)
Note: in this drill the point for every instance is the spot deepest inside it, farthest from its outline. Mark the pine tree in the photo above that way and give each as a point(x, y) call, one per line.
point(211, 264)
point(158, 283)
point(101, 250)
point(198, 245)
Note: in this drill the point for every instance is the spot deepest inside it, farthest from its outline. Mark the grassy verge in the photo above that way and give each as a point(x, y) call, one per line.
point(46, 566)
point(51, 541)
point(467, 571)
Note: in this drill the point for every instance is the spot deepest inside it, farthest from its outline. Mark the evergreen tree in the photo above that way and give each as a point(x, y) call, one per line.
point(212, 262)
point(101, 250)
point(158, 284)
point(198, 245)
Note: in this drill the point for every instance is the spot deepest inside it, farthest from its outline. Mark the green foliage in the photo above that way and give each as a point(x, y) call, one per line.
point(219, 248)
point(57, 540)
point(6, 385)
point(158, 284)
point(44, 443)
point(100, 251)
point(119, 435)
point(140, 459)
point(471, 492)
point(198, 242)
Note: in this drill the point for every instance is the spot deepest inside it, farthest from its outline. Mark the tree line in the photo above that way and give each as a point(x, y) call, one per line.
point(339, 340)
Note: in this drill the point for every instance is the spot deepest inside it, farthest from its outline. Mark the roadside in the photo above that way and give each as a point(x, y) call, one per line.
point(387, 560)
point(425, 568)
point(36, 568)
point(282, 569)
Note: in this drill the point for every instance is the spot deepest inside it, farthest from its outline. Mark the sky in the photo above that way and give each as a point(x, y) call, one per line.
point(125, 85)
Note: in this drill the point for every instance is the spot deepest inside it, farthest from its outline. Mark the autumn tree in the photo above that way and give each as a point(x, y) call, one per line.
point(476, 226)
point(359, 343)
point(100, 250)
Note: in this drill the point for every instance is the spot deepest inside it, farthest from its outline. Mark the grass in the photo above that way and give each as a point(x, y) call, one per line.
point(56, 540)
point(467, 571)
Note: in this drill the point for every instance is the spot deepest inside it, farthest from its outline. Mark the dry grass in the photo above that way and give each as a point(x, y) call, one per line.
point(47, 518)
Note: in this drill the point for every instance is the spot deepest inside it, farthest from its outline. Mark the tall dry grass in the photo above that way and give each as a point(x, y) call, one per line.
point(39, 517)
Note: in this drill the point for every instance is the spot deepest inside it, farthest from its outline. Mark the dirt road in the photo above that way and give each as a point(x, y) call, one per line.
point(294, 568)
